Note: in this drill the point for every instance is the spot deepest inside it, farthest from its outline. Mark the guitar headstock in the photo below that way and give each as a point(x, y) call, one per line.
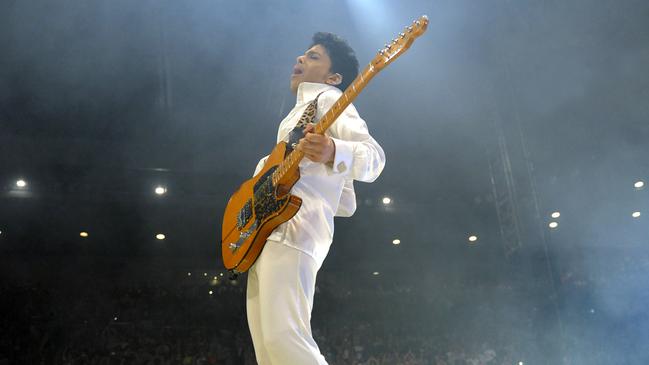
point(400, 44)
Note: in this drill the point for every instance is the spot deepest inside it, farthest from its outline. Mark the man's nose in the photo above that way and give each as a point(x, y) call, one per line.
point(300, 59)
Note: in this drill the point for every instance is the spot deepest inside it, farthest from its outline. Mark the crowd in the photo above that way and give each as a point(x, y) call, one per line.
point(200, 319)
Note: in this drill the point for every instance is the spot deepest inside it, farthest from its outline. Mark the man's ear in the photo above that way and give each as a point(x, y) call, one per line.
point(334, 79)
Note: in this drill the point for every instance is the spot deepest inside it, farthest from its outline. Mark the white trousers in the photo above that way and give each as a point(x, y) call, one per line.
point(279, 300)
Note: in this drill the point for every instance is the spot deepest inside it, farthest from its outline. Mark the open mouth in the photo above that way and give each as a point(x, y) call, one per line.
point(297, 71)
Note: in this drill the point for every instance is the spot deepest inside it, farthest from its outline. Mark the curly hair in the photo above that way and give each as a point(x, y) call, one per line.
point(343, 57)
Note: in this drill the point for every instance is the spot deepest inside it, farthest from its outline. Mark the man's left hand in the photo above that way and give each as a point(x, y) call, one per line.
point(316, 147)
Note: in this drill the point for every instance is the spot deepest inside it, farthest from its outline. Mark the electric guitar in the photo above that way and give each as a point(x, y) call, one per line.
point(264, 202)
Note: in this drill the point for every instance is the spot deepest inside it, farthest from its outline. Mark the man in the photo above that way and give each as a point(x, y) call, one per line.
point(281, 283)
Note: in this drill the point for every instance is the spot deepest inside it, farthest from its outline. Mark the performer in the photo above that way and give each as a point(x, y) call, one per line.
point(281, 283)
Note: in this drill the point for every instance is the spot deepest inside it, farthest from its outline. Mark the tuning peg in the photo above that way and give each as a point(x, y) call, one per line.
point(402, 35)
point(409, 29)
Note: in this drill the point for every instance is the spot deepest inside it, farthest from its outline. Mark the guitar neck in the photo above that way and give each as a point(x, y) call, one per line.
point(293, 159)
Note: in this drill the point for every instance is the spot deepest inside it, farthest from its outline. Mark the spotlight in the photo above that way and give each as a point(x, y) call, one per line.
point(396, 241)
point(386, 200)
point(375, 273)
point(556, 215)
point(211, 292)
point(639, 184)
point(83, 234)
point(160, 190)
point(636, 214)
point(473, 238)
point(189, 274)
point(21, 183)
point(204, 274)
point(160, 236)
point(553, 225)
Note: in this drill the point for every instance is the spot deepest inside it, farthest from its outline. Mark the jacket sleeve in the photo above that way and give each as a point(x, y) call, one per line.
point(358, 155)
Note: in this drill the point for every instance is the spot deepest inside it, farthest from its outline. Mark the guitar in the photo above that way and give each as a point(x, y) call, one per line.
point(264, 202)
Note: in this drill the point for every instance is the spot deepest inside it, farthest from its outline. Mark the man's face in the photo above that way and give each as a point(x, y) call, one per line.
point(313, 66)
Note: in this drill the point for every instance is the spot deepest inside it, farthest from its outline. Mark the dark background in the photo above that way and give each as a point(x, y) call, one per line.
point(502, 113)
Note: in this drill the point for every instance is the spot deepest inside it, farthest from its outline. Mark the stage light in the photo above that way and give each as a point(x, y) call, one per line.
point(375, 273)
point(189, 274)
point(553, 225)
point(386, 200)
point(21, 183)
point(396, 241)
point(160, 236)
point(220, 274)
point(556, 215)
point(639, 184)
point(114, 318)
point(204, 274)
point(83, 234)
point(473, 238)
point(636, 214)
point(160, 190)
point(216, 278)
point(211, 292)
point(520, 363)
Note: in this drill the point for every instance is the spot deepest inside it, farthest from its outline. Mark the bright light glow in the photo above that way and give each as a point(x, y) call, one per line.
point(473, 238)
point(386, 200)
point(375, 273)
point(520, 363)
point(553, 225)
point(220, 274)
point(636, 214)
point(83, 234)
point(396, 241)
point(639, 184)
point(160, 236)
point(216, 278)
point(21, 183)
point(204, 274)
point(189, 274)
point(556, 215)
point(114, 318)
point(160, 190)
point(211, 292)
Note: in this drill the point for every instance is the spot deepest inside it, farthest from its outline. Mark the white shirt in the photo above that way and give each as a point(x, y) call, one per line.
point(327, 191)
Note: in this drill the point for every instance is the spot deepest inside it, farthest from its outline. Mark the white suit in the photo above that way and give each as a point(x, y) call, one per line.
point(281, 283)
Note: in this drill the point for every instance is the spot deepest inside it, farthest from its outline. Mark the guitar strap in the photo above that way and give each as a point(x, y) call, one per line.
point(308, 117)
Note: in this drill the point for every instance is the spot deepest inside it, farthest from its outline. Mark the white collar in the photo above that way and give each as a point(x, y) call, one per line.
point(308, 91)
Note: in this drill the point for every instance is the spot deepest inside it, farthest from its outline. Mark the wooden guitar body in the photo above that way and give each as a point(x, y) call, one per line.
point(254, 211)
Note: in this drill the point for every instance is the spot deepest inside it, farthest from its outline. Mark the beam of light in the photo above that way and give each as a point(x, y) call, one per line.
point(373, 16)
